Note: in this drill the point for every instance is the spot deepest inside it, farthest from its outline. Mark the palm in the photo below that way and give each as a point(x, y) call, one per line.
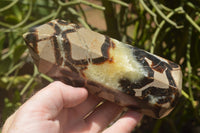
point(76, 120)
point(59, 108)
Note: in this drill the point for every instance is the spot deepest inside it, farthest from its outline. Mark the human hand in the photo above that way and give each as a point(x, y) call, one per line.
point(59, 108)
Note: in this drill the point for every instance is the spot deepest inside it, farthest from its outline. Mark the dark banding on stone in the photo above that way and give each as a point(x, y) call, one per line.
point(157, 64)
point(75, 78)
point(155, 60)
point(129, 92)
point(45, 38)
point(50, 23)
point(156, 109)
point(64, 33)
point(147, 68)
point(32, 38)
point(138, 54)
point(33, 29)
point(67, 47)
point(174, 65)
point(76, 26)
point(141, 83)
point(79, 62)
point(105, 51)
point(71, 67)
point(128, 85)
point(105, 47)
point(157, 91)
point(141, 54)
point(125, 84)
point(177, 95)
point(57, 54)
point(164, 100)
point(57, 29)
point(143, 62)
point(135, 108)
point(150, 72)
point(62, 22)
point(170, 78)
point(68, 52)
point(99, 60)
point(159, 67)
point(140, 57)
point(168, 66)
point(65, 80)
point(79, 82)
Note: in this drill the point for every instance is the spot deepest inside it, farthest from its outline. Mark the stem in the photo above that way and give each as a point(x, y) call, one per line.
point(14, 68)
point(189, 67)
point(46, 77)
point(39, 21)
point(11, 81)
point(71, 3)
point(163, 15)
point(192, 22)
point(30, 81)
point(92, 5)
point(165, 8)
point(27, 16)
point(155, 36)
point(135, 30)
point(190, 4)
point(83, 13)
point(57, 12)
point(185, 94)
point(149, 11)
point(5, 24)
point(111, 20)
point(80, 19)
point(119, 2)
point(9, 6)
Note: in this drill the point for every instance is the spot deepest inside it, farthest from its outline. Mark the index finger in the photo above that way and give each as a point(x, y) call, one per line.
point(126, 123)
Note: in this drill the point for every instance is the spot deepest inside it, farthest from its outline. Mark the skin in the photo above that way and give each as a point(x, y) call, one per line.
point(59, 108)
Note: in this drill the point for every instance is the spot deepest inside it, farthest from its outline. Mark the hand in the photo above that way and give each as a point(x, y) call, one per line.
point(59, 108)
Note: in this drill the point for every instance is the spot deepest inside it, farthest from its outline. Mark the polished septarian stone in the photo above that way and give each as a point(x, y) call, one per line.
point(115, 71)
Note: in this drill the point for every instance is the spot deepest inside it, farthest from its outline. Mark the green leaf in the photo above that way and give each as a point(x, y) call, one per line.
point(2, 40)
point(11, 19)
point(17, 13)
point(18, 51)
point(5, 65)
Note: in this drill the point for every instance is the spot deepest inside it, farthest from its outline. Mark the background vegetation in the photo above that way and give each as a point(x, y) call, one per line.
point(167, 28)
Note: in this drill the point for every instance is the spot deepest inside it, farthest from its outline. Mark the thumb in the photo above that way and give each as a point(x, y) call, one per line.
point(55, 97)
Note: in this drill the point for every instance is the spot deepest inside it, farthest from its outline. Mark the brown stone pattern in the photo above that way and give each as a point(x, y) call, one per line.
point(63, 50)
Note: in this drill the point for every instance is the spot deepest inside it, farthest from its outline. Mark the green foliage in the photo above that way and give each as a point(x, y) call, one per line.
point(167, 28)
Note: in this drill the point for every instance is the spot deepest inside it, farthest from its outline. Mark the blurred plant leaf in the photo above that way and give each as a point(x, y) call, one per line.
point(5, 65)
point(18, 51)
point(2, 41)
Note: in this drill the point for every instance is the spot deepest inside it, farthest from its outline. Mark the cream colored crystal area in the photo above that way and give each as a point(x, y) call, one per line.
point(123, 65)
